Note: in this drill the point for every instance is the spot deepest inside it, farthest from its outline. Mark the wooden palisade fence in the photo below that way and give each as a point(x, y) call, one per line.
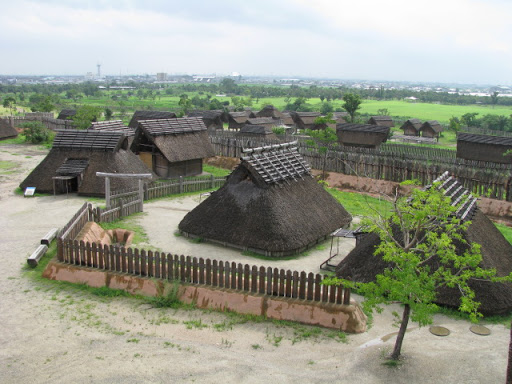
point(222, 274)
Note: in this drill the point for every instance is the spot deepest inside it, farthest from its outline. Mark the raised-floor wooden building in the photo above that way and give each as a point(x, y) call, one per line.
point(361, 135)
point(484, 148)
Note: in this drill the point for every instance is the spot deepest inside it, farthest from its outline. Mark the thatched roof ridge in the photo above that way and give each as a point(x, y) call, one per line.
point(88, 140)
point(174, 126)
point(255, 129)
point(484, 139)
point(276, 163)
point(66, 114)
point(385, 121)
point(276, 219)
point(260, 121)
point(112, 126)
point(414, 124)
point(361, 135)
point(269, 111)
point(6, 131)
point(369, 128)
point(149, 115)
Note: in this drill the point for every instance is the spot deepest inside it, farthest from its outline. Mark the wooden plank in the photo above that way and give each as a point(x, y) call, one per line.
point(34, 258)
point(50, 235)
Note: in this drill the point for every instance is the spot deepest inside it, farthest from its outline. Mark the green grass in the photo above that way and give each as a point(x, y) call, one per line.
point(505, 231)
point(360, 205)
point(129, 223)
point(215, 171)
point(20, 139)
point(7, 167)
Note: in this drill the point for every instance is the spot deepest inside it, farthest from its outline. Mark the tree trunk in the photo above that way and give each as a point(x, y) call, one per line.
point(509, 366)
point(401, 333)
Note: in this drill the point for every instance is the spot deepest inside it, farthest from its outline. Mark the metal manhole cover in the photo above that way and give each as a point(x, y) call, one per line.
point(480, 330)
point(439, 331)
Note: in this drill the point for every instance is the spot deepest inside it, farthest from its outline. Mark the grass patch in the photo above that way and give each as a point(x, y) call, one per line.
point(505, 231)
point(129, 223)
point(20, 139)
point(215, 171)
point(360, 205)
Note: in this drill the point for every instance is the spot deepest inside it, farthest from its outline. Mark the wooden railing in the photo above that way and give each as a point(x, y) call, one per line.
point(222, 274)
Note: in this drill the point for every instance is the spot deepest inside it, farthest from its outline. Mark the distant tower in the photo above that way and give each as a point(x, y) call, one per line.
point(99, 70)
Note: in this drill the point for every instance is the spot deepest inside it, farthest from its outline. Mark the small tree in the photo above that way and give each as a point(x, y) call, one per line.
point(352, 103)
point(419, 241)
point(85, 115)
point(10, 103)
point(323, 137)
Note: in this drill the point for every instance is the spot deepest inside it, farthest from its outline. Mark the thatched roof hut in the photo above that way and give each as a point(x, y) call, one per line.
point(149, 115)
point(383, 121)
point(263, 121)
point(257, 131)
point(6, 131)
point(270, 204)
point(270, 111)
point(431, 128)
point(114, 126)
point(412, 127)
point(305, 120)
point(484, 148)
point(76, 156)
point(287, 119)
point(340, 117)
point(173, 147)
point(66, 114)
point(237, 120)
point(496, 298)
point(212, 119)
point(361, 135)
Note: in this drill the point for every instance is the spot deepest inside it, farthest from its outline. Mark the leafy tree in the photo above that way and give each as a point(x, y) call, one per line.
point(228, 85)
point(36, 133)
point(326, 108)
point(352, 103)
point(469, 119)
point(419, 241)
point(322, 138)
point(85, 115)
point(494, 98)
point(10, 103)
point(44, 105)
point(383, 112)
point(185, 103)
point(108, 113)
point(455, 124)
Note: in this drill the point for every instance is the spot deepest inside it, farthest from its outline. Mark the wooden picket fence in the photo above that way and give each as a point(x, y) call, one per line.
point(192, 270)
point(394, 162)
point(48, 122)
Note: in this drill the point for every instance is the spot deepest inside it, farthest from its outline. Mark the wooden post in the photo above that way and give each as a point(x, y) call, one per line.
point(181, 184)
point(141, 195)
point(107, 192)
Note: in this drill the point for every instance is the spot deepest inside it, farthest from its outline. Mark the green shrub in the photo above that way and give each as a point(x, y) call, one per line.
point(36, 133)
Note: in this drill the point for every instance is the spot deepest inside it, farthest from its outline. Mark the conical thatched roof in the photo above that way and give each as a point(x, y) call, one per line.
point(270, 111)
point(496, 298)
point(82, 154)
point(270, 204)
point(6, 131)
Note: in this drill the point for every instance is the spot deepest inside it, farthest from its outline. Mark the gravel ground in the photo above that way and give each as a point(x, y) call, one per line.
point(54, 333)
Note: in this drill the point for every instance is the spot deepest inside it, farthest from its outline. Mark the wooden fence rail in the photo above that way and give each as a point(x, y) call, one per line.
point(222, 274)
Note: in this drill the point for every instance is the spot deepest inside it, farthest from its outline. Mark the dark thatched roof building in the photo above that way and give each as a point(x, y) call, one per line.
point(6, 131)
point(305, 120)
point(173, 147)
point(270, 111)
point(212, 119)
point(287, 119)
point(340, 117)
point(431, 129)
point(496, 298)
point(149, 115)
point(361, 135)
point(237, 120)
point(76, 156)
point(270, 204)
point(267, 122)
point(383, 121)
point(114, 126)
point(257, 131)
point(412, 127)
point(484, 148)
point(66, 114)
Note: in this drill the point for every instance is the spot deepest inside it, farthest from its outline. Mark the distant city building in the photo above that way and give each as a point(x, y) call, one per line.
point(161, 76)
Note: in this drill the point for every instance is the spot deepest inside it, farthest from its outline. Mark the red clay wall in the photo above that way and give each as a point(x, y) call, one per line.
point(347, 318)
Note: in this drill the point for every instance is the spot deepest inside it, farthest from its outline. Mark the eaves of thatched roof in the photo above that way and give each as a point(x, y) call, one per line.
point(112, 126)
point(149, 115)
point(88, 141)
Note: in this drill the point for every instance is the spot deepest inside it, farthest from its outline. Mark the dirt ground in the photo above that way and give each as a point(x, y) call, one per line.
point(52, 333)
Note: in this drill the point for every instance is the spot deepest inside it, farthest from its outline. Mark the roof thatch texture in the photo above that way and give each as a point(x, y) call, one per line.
point(496, 298)
point(270, 111)
point(149, 115)
point(112, 126)
point(212, 119)
point(305, 120)
point(340, 117)
point(361, 135)
point(411, 127)
point(261, 131)
point(86, 152)
point(484, 148)
point(287, 119)
point(178, 139)
point(270, 204)
point(267, 121)
point(6, 131)
point(66, 114)
point(385, 121)
point(237, 120)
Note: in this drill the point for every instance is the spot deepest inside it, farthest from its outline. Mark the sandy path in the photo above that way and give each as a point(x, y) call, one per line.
point(57, 334)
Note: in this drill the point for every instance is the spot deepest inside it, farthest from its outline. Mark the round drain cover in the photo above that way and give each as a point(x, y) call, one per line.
point(439, 331)
point(480, 330)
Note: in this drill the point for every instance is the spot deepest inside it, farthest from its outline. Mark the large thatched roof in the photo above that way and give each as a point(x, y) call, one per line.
point(412, 125)
point(112, 126)
point(270, 111)
point(270, 204)
point(149, 115)
point(212, 119)
point(496, 298)
point(85, 153)
point(6, 131)
point(433, 125)
point(178, 139)
point(385, 121)
point(362, 135)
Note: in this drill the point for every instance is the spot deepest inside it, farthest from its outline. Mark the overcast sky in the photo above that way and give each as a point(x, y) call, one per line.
point(459, 41)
